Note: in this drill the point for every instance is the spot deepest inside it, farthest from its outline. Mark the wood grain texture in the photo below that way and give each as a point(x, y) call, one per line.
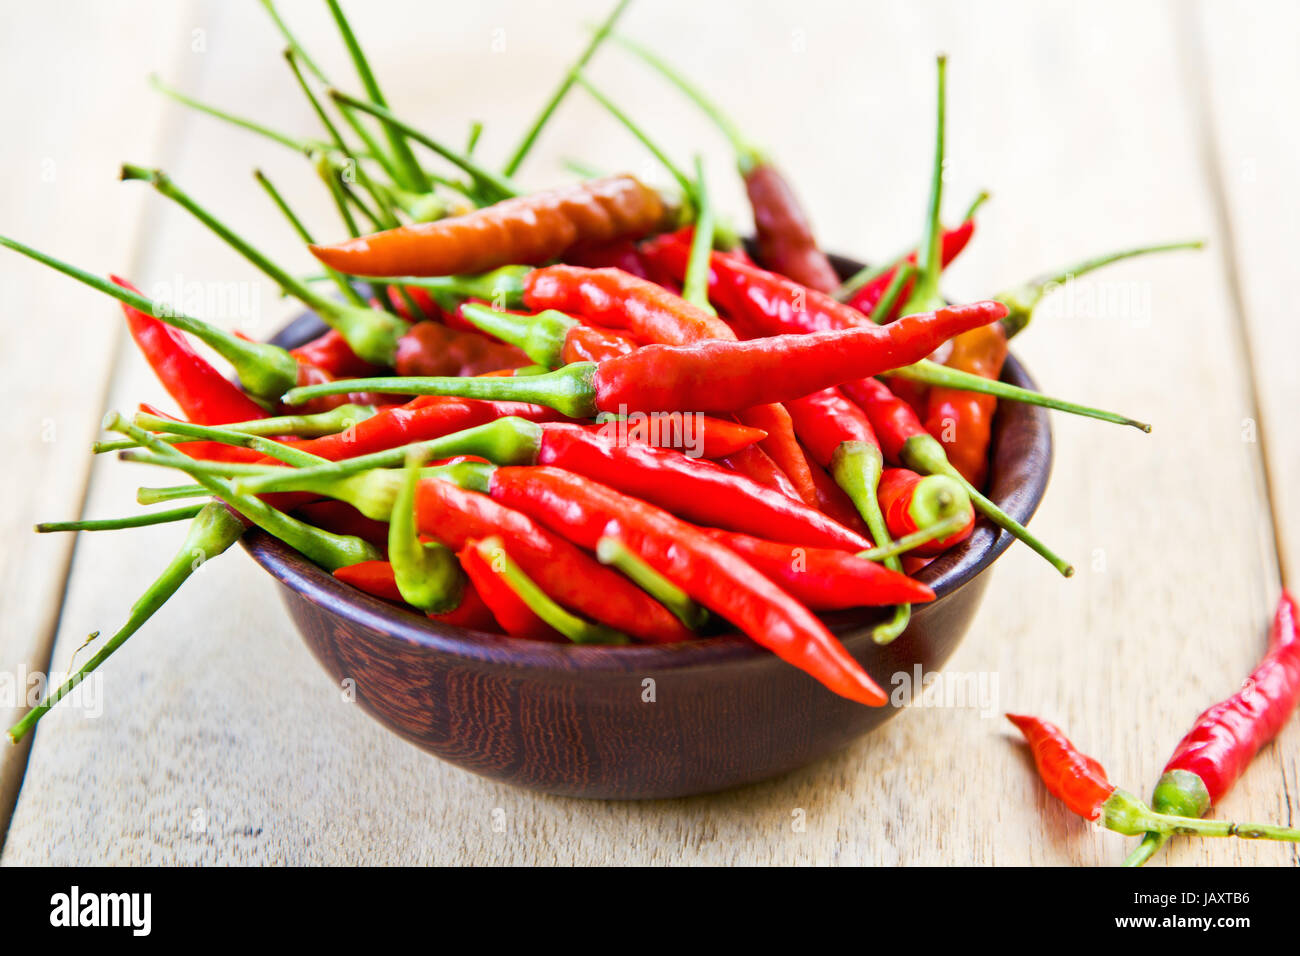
point(222, 741)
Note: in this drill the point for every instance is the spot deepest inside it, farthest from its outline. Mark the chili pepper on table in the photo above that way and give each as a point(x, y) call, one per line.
point(1225, 737)
point(709, 572)
point(905, 441)
point(1080, 782)
point(710, 376)
point(785, 238)
point(825, 579)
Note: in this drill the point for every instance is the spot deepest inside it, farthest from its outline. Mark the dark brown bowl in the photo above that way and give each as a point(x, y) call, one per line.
point(640, 721)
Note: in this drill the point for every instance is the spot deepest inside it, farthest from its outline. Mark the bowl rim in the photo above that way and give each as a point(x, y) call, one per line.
point(947, 573)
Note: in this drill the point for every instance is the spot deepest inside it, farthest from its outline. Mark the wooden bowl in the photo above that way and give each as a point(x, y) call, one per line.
point(640, 721)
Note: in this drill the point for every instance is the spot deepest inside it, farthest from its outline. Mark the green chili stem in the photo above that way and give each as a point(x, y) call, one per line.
point(371, 334)
point(1023, 300)
point(329, 550)
point(932, 373)
point(115, 524)
point(500, 185)
point(568, 390)
point(864, 275)
point(909, 542)
point(530, 136)
point(198, 466)
point(1125, 813)
point(413, 176)
point(695, 287)
point(541, 337)
point(428, 576)
point(747, 155)
point(298, 145)
point(290, 39)
point(506, 441)
point(156, 496)
point(1151, 842)
point(925, 454)
point(503, 287)
point(925, 294)
point(610, 549)
point(471, 141)
point(980, 199)
point(265, 370)
point(539, 602)
point(213, 531)
point(301, 426)
point(683, 181)
point(226, 436)
point(884, 308)
point(856, 467)
point(339, 280)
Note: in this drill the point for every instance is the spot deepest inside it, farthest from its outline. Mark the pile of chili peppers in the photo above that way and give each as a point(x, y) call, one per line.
point(583, 414)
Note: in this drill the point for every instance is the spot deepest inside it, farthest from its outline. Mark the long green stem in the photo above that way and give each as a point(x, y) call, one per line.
point(683, 181)
point(343, 285)
point(413, 175)
point(541, 337)
point(1125, 813)
point(265, 370)
point(298, 145)
point(910, 542)
point(212, 531)
point(695, 287)
point(325, 548)
point(493, 551)
point(884, 308)
point(932, 373)
point(501, 186)
point(506, 441)
point(856, 467)
point(1151, 842)
point(116, 524)
point(292, 41)
point(863, 276)
point(157, 496)
point(331, 422)
point(923, 453)
point(428, 576)
point(747, 155)
point(371, 334)
point(1024, 299)
point(227, 436)
point(530, 136)
point(611, 550)
point(568, 390)
point(925, 295)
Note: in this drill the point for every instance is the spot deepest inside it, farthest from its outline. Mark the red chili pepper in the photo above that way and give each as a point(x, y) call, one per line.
point(529, 229)
point(204, 394)
point(763, 301)
point(615, 299)
point(508, 609)
point(963, 420)
point(913, 502)
point(1079, 782)
point(1225, 738)
point(377, 579)
point(431, 348)
point(331, 353)
point(785, 238)
point(341, 518)
point(953, 242)
point(825, 579)
point(697, 435)
point(758, 466)
point(782, 446)
point(586, 343)
point(695, 489)
point(618, 254)
point(708, 572)
point(1071, 776)
point(453, 516)
point(551, 338)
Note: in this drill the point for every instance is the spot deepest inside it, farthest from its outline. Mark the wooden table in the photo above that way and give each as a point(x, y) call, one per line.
point(221, 741)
